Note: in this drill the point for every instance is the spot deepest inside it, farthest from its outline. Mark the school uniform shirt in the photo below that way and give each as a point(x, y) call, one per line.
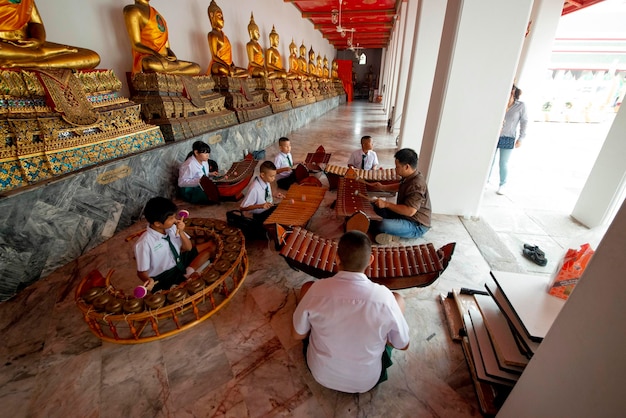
point(281, 161)
point(371, 159)
point(190, 172)
point(153, 253)
point(350, 319)
point(259, 192)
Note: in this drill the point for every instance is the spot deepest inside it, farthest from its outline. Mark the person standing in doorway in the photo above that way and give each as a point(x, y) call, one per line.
point(509, 138)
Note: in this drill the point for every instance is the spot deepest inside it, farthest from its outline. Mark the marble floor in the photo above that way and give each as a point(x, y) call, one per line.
point(242, 362)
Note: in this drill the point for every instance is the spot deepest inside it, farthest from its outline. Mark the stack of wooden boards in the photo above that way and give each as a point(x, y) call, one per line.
point(500, 329)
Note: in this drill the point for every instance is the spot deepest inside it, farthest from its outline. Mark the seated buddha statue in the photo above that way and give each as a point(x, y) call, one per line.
point(273, 60)
point(23, 41)
point(221, 51)
point(334, 71)
point(325, 68)
point(303, 65)
point(149, 40)
point(318, 67)
point(294, 68)
point(312, 65)
point(256, 59)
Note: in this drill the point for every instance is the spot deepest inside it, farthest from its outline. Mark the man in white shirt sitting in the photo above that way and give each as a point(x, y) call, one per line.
point(348, 323)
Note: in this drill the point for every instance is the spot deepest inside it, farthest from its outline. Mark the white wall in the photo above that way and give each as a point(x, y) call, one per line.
point(99, 25)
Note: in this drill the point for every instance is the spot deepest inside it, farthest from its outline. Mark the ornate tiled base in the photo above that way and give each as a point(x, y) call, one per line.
point(88, 123)
point(183, 128)
point(182, 106)
point(242, 97)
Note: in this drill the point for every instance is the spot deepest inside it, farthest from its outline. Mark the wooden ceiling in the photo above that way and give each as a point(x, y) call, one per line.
point(369, 23)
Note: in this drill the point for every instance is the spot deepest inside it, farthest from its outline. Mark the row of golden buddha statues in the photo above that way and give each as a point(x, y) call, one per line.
point(58, 113)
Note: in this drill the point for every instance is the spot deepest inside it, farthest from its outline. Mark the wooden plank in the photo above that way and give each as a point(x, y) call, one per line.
point(487, 352)
point(529, 345)
point(453, 319)
point(507, 351)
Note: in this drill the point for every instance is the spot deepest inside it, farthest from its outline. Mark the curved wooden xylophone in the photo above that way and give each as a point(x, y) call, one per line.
point(115, 317)
point(231, 184)
point(394, 267)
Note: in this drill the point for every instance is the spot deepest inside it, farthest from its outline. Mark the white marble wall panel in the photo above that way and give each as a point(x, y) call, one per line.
point(52, 223)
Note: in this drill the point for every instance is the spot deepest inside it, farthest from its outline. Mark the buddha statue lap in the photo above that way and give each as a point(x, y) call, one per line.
point(149, 39)
point(220, 47)
point(23, 41)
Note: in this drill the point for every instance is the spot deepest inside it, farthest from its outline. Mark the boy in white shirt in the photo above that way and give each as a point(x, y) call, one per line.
point(285, 175)
point(364, 158)
point(259, 199)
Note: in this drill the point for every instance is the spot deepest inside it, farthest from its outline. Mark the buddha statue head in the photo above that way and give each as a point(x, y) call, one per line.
point(311, 54)
point(253, 29)
point(325, 61)
point(274, 38)
point(216, 17)
point(302, 50)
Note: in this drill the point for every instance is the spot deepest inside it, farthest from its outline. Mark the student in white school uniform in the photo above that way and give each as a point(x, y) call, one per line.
point(364, 158)
point(285, 175)
point(259, 199)
point(164, 252)
point(197, 165)
point(349, 324)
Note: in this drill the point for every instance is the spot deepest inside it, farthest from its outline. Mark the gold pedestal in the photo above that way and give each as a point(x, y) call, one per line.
point(182, 106)
point(58, 121)
point(242, 97)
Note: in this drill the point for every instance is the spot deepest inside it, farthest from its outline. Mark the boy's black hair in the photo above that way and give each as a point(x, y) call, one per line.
point(407, 156)
point(158, 209)
point(282, 139)
point(365, 138)
point(354, 251)
point(267, 165)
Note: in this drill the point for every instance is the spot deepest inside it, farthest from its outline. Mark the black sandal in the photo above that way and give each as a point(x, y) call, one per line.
point(534, 248)
point(535, 256)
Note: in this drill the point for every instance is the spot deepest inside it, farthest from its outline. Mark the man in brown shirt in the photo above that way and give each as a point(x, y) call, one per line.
point(410, 216)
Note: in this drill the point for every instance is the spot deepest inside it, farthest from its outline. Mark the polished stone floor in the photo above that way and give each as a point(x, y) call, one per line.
point(242, 362)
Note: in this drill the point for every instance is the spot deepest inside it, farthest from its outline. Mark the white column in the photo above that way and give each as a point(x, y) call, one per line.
point(426, 41)
point(474, 82)
point(392, 70)
point(409, 12)
point(535, 57)
point(605, 188)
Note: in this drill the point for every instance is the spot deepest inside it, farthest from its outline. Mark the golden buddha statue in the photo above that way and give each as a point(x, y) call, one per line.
point(273, 60)
point(312, 66)
point(325, 67)
point(293, 58)
point(23, 41)
point(221, 51)
point(303, 65)
point(256, 59)
point(318, 68)
point(334, 72)
point(149, 40)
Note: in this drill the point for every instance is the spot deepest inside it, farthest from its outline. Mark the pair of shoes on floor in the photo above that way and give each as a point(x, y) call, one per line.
point(383, 238)
point(501, 190)
point(535, 254)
